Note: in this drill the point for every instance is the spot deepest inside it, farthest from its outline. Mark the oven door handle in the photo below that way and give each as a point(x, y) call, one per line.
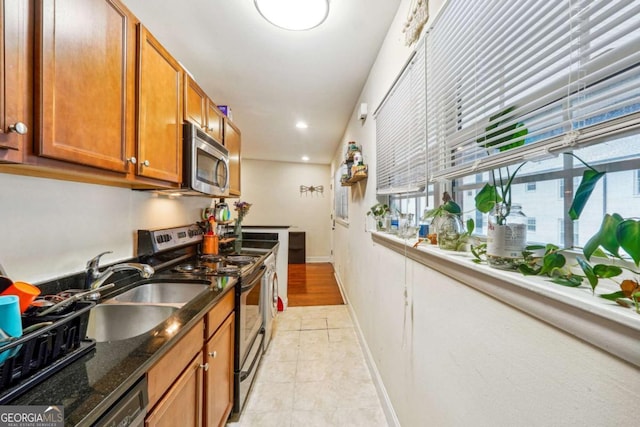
point(254, 280)
point(245, 374)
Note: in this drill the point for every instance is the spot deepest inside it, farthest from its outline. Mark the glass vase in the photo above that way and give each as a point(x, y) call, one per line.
point(506, 236)
point(450, 232)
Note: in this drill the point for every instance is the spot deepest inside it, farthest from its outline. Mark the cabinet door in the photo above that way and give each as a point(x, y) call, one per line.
point(182, 404)
point(159, 111)
point(195, 103)
point(219, 376)
point(232, 142)
point(14, 79)
point(85, 68)
point(215, 121)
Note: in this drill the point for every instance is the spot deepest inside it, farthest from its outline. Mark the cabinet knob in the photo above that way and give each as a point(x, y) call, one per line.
point(146, 163)
point(132, 160)
point(19, 128)
point(213, 354)
point(205, 366)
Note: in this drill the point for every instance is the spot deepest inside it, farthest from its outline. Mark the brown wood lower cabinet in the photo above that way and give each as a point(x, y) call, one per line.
point(192, 384)
point(218, 354)
point(182, 404)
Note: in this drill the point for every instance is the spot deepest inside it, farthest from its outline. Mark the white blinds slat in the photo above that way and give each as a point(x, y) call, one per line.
point(553, 68)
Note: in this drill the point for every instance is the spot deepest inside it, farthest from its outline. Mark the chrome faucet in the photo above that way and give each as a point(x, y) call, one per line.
point(96, 279)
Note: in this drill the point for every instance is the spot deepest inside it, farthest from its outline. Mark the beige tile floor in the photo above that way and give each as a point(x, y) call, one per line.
point(313, 374)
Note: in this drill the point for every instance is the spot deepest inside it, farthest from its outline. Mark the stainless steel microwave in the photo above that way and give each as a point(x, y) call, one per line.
point(205, 164)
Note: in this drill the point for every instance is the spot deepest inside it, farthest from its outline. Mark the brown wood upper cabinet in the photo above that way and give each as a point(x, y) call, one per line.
point(200, 110)
point(195, 103)
point(85, 81)
point(215, 122)
point(15, 80)
point(160, 95)
point(232, 142)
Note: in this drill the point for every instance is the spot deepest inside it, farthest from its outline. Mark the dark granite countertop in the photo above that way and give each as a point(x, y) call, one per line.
point(91, 385)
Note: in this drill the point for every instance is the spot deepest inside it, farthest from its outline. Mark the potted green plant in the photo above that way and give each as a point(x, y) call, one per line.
point(379, 212)
point(507, 230)
point(448, 226)
point(615, 234)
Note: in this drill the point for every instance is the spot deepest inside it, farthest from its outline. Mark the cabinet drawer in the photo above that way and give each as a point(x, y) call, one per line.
point(167, 369)
point(217, 314)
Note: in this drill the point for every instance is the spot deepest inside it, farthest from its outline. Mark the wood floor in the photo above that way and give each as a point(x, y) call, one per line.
point(313, 284)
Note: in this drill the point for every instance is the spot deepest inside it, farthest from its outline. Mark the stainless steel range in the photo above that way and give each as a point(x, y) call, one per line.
point(247, 266)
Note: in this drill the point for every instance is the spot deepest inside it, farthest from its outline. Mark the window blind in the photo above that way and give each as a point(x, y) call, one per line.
point(401, 159)
point(515, 81)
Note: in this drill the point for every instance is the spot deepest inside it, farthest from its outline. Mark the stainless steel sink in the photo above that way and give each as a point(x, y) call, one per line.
point(178, 293)
point(113, 322)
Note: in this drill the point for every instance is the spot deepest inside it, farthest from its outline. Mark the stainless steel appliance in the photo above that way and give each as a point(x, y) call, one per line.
point(205, 165)
point(249, 269)
point(249, 336)
point(130, 409)
point(269, 298)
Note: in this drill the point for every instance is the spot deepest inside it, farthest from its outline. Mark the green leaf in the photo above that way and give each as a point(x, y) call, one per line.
point(613, 296)
point(592, 277)
point(600, 253)
point(535, 247)
point(508, 133)
point(487, 198)
point(605, 237)
point(572, 282)
point(590, 178)
point(552, 261)
point(471, 225)
point(606, 271)
point(452, 207)
point(628, 235)
point(527, 270)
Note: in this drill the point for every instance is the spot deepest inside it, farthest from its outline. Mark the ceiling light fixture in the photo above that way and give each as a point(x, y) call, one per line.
point(305, 158)
point(302, 125)
point(295, 15)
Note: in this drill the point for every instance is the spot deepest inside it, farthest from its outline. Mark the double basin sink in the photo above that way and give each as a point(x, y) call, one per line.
point(140, 309)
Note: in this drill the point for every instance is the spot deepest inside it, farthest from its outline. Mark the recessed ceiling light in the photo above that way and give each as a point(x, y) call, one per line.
point(302, 125)
point(305, 158)
point(296, 15)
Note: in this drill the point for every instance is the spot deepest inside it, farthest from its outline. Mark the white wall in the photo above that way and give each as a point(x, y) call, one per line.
point(274, 190)
point(51, 228)
point(447, 354)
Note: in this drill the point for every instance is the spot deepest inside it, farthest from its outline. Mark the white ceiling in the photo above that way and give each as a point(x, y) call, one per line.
point(270, 77)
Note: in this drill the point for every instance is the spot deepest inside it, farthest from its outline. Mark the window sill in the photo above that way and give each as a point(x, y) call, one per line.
point(342, 222)
point(577, 311)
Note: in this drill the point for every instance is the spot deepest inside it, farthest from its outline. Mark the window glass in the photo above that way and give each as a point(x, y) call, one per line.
point(547, 212)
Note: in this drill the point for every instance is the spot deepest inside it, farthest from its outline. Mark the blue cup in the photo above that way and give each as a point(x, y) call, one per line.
point(424, 230)
point(10, 321)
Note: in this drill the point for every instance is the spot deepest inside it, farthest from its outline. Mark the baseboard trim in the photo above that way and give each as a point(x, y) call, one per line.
point(385, 401)
point(312, 259)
